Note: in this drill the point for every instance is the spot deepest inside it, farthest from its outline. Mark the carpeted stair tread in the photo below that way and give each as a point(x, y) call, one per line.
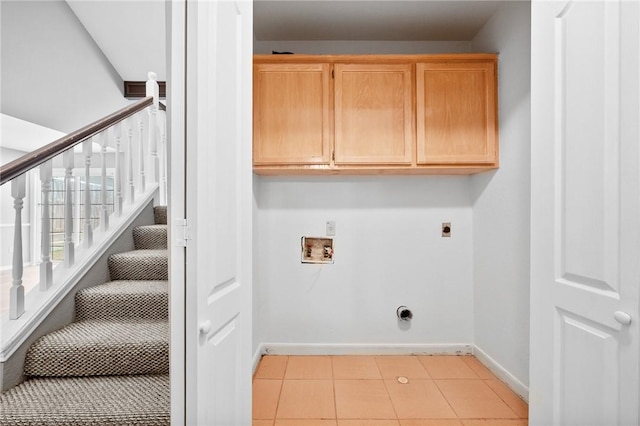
point(124, 299)
point(110, 366)
point(150, 237)
point(91, 348)
point(109, 400)
point(139, 265)
point(160, 215)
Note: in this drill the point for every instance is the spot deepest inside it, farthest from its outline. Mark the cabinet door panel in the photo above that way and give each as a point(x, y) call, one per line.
point(291, 114)
point(456, 113)
point(373, 114)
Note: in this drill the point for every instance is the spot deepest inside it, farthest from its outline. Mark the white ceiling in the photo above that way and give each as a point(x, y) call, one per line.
point(430, 20)
point(131, 33)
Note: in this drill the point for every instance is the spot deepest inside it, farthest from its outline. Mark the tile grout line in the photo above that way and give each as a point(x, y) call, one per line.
point(384, 383)
point(275, 415)
point(501, 399)
point(478, 377)
point(335, 396)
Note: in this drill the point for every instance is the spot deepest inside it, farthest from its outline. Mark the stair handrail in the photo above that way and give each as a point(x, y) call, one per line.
point(134, 138)
point(33, 159)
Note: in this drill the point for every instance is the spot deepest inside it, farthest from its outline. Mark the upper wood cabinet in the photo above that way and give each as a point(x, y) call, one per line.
point(373, 114)
point(393, 114)
point(456, 113)
point(291, 114)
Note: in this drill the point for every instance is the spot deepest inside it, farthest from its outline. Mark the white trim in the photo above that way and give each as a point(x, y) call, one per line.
point(509, 379)
point(38, 307)
point(365, 349)
point(175, 160)
point(257, 356)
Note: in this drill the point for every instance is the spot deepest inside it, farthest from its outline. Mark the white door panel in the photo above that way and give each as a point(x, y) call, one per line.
point(219, 203)
point(585, 190)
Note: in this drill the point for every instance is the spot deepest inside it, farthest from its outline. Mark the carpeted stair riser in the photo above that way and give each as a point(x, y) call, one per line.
point(94, 348)
point(124, 300)
point(160, 215)
point(139, 265)
point(150, 237)
point(110, 400)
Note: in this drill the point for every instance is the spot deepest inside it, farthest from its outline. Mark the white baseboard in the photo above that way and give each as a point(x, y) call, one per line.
point(509, 379)
point(364, 349)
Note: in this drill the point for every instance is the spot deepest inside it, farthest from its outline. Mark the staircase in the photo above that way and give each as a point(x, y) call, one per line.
point(111, 365)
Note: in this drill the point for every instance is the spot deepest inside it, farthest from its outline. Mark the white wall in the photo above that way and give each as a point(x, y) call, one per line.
point(361, 47)
point(53, 73)
point(501, 206)
point(388, 252)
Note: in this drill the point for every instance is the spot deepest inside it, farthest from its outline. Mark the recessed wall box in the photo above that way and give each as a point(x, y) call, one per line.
point(317, 250)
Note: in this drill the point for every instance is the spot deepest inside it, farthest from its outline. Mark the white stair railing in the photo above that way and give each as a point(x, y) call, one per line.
point(141, 155)
point(118, 163)
point(16, 298)
point(46, 270)
point(104, 211)
point(162, 125)
point(69, 246)
point(87, 229)
point(117, 132)
point(131, 187)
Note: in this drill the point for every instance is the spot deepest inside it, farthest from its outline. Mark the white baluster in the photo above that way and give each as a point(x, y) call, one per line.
point(104, 212)
point(117, 132)
point(69, 247)
point(162, 122)
point(16, 295)
point(143, 185)
point(46, 271)
point(153, 90)
point(131, 186)
point(87, 151)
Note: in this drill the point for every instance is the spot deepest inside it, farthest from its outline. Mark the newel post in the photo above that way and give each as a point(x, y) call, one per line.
point(153, 90)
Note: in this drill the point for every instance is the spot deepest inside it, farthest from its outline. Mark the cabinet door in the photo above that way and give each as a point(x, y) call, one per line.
point(456, 113)
point(373, 114)
point(291, 114)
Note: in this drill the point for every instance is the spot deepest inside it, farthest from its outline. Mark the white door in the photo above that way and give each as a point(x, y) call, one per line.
point(585, 218)
point(218, 212)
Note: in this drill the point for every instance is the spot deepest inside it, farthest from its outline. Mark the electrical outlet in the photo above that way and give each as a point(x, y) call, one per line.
point(446, 229)
point(331, 227)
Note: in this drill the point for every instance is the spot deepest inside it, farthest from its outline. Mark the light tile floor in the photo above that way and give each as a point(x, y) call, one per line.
point(365, 391)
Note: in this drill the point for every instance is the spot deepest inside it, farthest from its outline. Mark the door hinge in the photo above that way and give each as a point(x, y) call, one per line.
point(333, 75)
point(333, 156)
point(182, 232)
